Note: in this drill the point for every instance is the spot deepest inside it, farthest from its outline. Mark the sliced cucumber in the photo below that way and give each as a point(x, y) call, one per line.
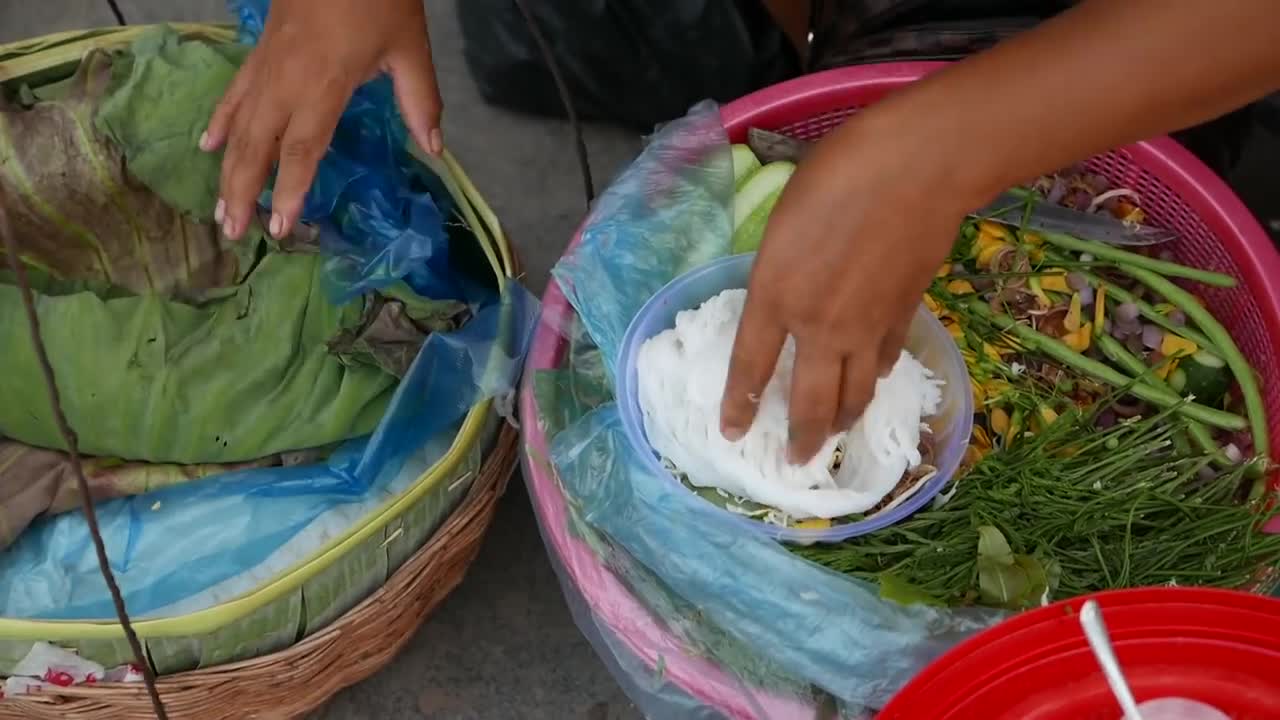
point(1178, 380)
point(1207, 377)
point(745, 163)
point(754, 202)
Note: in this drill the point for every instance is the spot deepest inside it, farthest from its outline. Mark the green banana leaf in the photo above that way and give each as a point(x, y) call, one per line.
point(161, 96)
point(170, 344)
point(80, 215)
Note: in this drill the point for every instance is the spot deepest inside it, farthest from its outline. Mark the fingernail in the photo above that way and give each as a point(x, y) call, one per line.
point(220, 211)
point(732, 433)
point(229, 228)
point(435, 141)
point(277, 225)
point(204, 140)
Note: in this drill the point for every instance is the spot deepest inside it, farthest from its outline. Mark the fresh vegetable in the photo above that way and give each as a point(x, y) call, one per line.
point(1221, 339)
point(1206, 377)
point(1106, 451)
point(744, 164)
point(1115, 254)
point(1106, 441)
point(753, 203)
point(1090, 508)
point(1062, 353)
point(1127, 361)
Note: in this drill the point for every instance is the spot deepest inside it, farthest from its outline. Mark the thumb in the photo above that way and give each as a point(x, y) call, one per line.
point(418, 94)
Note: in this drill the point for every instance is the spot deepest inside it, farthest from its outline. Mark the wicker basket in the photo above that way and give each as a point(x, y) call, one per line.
point(334, 618)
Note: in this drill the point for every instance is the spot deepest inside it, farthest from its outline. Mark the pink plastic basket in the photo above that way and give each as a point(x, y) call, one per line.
point(1177, 191)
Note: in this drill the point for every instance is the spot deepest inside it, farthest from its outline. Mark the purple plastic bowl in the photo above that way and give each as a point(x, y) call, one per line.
point(927, 339)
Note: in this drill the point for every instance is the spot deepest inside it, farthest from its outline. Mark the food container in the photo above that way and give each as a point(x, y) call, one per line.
point(1215, 647)
point(927, 339)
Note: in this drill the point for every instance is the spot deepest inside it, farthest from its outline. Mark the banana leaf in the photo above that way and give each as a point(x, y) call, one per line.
point(170, 344)
point(36, 482)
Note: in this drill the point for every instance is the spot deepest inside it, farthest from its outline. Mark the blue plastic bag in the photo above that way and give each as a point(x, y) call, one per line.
point(387, 229)
point(665, 214)
point(382, 220)
point(668, 213)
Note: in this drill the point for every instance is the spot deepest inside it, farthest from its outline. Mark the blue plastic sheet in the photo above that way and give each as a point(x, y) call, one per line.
point(667, 213)
point(382, 220)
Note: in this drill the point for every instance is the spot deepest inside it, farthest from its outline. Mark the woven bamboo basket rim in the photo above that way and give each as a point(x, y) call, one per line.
point(26, 59)
point(298, 680)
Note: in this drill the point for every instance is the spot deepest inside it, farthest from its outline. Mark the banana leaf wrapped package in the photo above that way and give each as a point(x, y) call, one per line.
point(181, 355)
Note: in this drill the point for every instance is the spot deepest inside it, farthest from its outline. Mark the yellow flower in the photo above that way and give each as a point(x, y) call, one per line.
point(1080, 339)
point(994, 388)
point(987, 250)
point(960, 287)
point(813, 524)
point(1055, 282)
point(1099, 308)
point(994, 230)
point(1176, 346)
point(979, 393)
point(1072, 321)
point(999, 421)
point(934, 306)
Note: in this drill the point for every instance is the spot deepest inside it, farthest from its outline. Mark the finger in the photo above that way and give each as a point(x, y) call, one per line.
point(303, 145)
point(224, 113)
point(857, 387)
point(418, 94)
point(251, 151)
point(755, 354)
point(815, 399)
point(891, 345)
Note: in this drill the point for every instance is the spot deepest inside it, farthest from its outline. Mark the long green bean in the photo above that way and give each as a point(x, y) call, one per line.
point(1226, 347)
point(1120, 355)
point(1116, 255)
point(1059, 351)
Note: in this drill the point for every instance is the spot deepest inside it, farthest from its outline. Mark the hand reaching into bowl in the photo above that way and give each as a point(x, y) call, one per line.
point(285, 102)
point(870, 215)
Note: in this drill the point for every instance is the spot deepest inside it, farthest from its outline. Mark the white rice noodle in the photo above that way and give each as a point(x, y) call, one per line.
point(681, 377)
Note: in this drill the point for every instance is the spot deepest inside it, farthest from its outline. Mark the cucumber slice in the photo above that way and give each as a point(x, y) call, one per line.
point(1207, 377)
point(745, 163)
point(754, 202)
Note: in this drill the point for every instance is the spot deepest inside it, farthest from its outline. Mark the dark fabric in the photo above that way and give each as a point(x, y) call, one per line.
point(631, 62)
point(638, 63)
point(852, 32)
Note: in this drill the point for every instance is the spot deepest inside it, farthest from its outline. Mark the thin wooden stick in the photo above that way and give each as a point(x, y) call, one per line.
point(73, 451)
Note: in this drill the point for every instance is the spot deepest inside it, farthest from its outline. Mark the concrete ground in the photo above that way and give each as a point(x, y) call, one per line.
point(503, 646)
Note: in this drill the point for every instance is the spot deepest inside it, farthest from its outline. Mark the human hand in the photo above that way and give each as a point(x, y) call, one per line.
point(286, 100)
point(855, 239)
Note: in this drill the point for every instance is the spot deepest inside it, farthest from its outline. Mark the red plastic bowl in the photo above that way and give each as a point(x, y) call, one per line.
point(1214, 646)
